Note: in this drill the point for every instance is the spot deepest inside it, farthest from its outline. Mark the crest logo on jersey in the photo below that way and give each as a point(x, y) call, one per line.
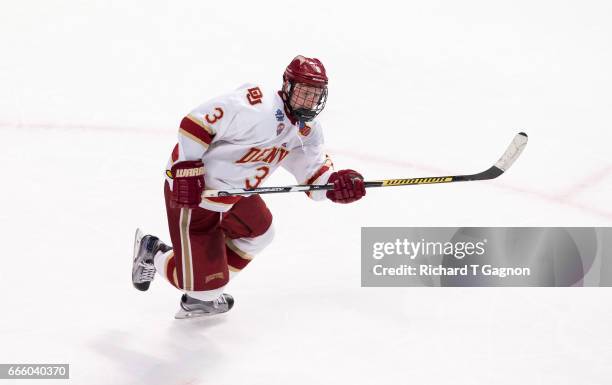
point(254, 96)
point(280, 116)
point(280, 128)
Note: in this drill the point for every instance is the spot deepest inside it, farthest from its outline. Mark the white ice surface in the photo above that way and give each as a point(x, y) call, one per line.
point(90, 97)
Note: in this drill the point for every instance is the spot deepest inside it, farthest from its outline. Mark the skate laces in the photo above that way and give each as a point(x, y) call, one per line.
point(148, 267)
point(220, 301)
point(148, 272)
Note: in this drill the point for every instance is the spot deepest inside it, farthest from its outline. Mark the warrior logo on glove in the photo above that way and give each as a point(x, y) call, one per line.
point(187, 184)
point(185, 172)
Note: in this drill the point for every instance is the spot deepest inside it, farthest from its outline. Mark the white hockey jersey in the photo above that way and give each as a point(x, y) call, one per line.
point(243, 137)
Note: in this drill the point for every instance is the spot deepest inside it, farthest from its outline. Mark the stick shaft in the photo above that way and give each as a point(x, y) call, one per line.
point(510, 155)
point(368, 184)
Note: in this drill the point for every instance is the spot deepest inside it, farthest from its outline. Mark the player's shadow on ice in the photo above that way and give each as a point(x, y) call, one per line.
point(179, 353)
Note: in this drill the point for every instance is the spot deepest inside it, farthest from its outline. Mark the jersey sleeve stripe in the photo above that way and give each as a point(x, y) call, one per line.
point(320, 172)
point(317, 174)
point(175, 153)
point(197, 121)
point(193, 137)
point(196, 132)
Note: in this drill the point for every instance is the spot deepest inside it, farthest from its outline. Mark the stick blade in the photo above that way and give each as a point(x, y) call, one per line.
point(513, 151)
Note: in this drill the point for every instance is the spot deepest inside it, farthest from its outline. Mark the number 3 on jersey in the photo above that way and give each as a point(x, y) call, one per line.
point(216, 116)
point(262, 173)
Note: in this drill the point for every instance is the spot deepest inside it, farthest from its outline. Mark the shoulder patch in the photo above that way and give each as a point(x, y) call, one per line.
point(305, 130)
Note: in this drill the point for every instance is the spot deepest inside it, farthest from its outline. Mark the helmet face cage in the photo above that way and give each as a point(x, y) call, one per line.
point(308, 108)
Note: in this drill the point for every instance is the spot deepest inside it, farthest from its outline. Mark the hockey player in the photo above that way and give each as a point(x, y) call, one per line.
point(236, 141)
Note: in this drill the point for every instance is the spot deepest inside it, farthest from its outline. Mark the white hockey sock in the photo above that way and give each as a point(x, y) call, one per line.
point(233, 274)
point(160, 260)
point(207, 295)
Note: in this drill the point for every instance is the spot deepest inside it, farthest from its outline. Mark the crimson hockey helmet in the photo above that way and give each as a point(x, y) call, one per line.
point(310, 72)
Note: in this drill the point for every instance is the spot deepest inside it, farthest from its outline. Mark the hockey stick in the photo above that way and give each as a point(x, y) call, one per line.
point(503, 164)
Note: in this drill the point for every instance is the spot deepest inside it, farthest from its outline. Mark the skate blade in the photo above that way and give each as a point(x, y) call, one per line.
point(183, 314)
point(142, 286)
point(137, 240)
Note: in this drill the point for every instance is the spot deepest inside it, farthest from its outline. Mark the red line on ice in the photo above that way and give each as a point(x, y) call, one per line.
point(562, 198)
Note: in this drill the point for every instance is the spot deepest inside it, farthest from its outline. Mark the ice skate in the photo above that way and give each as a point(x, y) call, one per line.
point(193, 308)
point(143, 268)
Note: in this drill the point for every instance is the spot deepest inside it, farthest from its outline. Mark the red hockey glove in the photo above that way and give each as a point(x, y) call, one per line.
point(348, 186)
point(187, 184)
